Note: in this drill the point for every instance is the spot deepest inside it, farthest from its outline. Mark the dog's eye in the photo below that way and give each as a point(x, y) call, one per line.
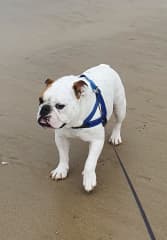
point(40, 100)
point(59, 106)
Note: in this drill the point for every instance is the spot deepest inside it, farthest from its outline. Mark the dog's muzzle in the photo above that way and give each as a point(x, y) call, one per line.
point(45, 110)
point(44, 118)
point(44, 121)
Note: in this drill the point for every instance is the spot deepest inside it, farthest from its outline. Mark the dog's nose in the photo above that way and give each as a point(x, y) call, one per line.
point(45, 110)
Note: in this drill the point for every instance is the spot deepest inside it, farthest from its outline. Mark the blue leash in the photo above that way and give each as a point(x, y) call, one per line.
point(88, 122)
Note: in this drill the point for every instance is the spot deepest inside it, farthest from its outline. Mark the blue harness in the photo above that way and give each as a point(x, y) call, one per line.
point(88, 122)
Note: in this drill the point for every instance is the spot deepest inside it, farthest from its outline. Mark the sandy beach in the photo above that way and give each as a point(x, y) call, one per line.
point(41, 39)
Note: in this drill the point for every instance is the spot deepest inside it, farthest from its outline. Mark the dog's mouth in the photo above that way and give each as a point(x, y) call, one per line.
point(44, 122)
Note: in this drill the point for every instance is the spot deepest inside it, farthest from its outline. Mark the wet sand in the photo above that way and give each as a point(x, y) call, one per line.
point(41, 39)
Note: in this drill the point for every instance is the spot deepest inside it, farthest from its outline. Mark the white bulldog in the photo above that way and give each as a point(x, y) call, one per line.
point(79, 106)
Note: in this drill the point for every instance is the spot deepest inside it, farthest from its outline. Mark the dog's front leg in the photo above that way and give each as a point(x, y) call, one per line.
point(63, 148)
point(89, 174)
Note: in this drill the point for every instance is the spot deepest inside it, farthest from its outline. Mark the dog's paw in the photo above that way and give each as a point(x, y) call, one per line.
point(59, 173)
point(89, 180)
point(115, 138)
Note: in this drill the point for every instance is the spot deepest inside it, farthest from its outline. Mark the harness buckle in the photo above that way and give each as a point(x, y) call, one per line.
point(96, 90)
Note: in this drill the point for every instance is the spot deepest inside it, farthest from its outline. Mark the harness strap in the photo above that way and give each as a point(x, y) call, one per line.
point(88, 123)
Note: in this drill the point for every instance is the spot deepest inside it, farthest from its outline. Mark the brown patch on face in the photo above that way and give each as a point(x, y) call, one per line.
point(78, 87)
point(48, 83)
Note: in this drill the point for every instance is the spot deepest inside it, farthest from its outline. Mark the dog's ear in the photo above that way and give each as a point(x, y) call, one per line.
point(79, 88)
point(48, 81)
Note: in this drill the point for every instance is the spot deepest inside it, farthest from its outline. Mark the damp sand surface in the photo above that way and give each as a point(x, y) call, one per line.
point(41, 39)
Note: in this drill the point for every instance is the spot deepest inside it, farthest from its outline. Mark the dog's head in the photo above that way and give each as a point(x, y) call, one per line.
point(59, 104)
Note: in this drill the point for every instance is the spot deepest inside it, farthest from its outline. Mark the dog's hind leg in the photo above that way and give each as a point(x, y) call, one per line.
point(119, 112)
